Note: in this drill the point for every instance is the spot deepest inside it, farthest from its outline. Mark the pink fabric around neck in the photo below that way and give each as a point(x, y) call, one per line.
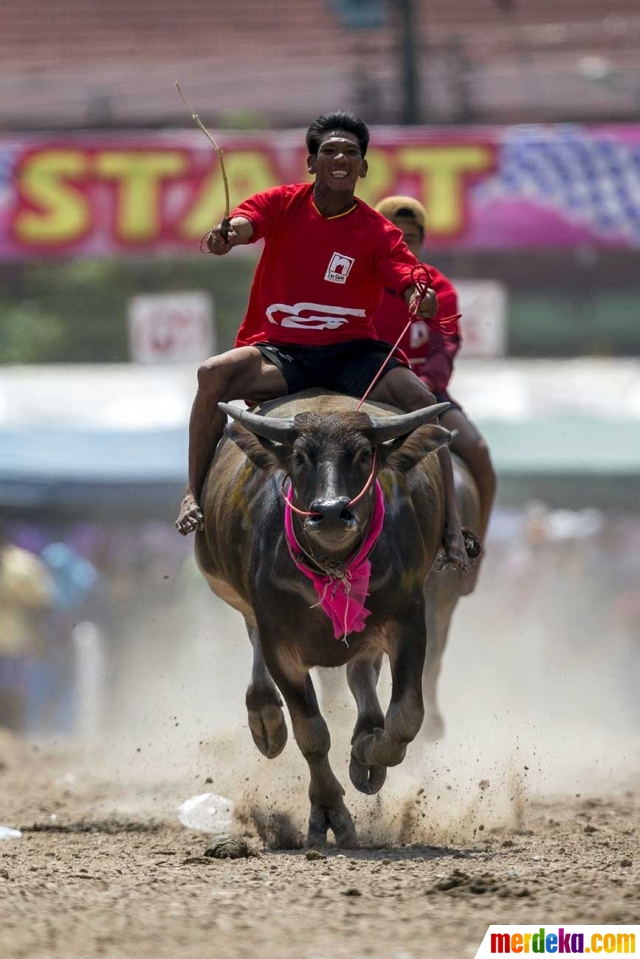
point(341, 597)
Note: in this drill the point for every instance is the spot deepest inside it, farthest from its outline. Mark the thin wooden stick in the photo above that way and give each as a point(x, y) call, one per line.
point(226, 223)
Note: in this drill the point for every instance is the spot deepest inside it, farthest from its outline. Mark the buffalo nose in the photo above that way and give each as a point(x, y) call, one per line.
point(331, 510)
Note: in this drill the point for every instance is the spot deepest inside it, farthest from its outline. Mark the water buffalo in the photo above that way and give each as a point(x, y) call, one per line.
point(343, 472)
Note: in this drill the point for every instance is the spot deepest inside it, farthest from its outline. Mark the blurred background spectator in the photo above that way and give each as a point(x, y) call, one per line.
point(26, 594)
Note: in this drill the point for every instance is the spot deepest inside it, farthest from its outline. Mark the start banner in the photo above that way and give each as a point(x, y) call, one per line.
point(484, 188)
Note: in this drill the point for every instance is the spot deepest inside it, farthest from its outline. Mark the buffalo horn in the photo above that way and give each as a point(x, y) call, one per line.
point(269, 427)
point(393, 426)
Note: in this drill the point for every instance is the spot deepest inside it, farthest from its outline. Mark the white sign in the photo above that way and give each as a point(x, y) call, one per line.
point(483, 304)
point(171, 328)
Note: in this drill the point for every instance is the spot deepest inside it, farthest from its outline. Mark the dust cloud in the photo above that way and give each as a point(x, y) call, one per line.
point(536, 702)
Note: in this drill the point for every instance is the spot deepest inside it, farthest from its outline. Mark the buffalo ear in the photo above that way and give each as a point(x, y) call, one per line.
point(262, 453)
point(405, 452)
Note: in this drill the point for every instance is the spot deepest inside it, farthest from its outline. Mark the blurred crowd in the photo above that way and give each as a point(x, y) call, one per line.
point(54, 579)
point(570, 577)
point(578, 570)
point(563, 587)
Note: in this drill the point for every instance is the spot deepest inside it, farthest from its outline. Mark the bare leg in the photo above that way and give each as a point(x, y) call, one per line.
point(264, 705)
point(407, 646)
point(362, 676)
point(452, 538)
point(328, 810)
point(471, 447)
point(238, 374)
point(401, 387)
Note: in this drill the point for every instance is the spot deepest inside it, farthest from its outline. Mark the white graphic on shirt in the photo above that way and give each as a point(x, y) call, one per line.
point(339, 267)
point(310, 316)
point(418, 334)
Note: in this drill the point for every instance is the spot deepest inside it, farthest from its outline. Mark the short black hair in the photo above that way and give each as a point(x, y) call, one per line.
point(338, 120)
point(406, 213)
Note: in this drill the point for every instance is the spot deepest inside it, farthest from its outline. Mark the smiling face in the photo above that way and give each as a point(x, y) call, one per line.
point(339, 162)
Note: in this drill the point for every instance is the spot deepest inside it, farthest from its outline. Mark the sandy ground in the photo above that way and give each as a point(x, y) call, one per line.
point(113, 874)
point(528, 812)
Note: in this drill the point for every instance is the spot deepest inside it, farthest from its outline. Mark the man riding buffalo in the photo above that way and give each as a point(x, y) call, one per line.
point(326, 261)
point(431, 351)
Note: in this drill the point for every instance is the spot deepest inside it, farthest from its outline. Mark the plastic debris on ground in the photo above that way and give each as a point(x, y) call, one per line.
point(208, 813)
point(6, 832)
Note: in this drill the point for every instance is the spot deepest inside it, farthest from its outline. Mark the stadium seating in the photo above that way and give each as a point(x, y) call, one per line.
point(277, 62)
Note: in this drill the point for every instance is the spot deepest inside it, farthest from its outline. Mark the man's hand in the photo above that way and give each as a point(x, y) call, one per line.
point(427, 307)
point(217, 245)
point(240, 232)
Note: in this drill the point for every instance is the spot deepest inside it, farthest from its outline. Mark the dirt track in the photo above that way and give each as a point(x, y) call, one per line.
point(139, 886)
point(528, 812)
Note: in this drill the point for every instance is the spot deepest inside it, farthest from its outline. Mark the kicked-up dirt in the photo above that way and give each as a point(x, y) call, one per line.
point(104, 869)
point(527, 812)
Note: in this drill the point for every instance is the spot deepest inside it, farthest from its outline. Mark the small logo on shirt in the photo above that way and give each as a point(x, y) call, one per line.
point(339, 267)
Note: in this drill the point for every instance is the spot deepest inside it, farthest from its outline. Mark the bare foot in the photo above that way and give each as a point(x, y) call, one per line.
point(190, 517)
point(454, 547)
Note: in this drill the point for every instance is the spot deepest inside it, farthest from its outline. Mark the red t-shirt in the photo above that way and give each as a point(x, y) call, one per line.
point(430, 347)
point(319, 281)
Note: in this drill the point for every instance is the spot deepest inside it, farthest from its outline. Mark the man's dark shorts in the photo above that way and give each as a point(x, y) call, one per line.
point(445, 397)
point(347, 368)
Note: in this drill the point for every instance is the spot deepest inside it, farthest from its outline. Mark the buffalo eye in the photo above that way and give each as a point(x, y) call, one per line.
point(300, 459)
point(363, 457)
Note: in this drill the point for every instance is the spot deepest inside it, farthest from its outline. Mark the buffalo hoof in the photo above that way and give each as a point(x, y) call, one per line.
point(338, 820)
point(378, 749)
point(433, 726)
point(367, 779)
point(269, 729)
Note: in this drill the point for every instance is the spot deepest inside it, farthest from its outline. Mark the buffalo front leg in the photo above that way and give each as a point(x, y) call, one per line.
point(362, 676)
point(328, 810)
point(264, 705)
point(407, 645)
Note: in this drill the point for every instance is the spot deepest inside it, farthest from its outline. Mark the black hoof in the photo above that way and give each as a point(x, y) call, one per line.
point(268, 729)
point(367, 779)
point(318, 826)
point(339, 821)
point(378, 749)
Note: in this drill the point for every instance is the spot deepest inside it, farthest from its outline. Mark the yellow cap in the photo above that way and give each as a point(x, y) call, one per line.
point(403, 206)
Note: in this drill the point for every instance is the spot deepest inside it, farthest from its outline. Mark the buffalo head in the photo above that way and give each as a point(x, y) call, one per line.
point(329, 458)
